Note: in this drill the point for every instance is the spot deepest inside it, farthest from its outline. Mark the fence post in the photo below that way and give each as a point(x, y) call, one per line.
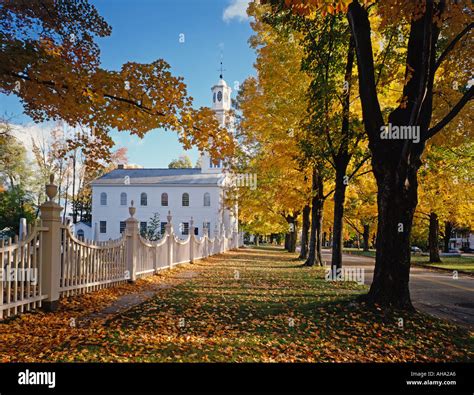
point(155, 260)
point(169, 232)
point(51, 248)
point(191, 240)
point(131, 233)
point(205, 241)
point(222, 246)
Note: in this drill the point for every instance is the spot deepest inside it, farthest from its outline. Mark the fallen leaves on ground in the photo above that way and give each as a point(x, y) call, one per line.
point(274, 310)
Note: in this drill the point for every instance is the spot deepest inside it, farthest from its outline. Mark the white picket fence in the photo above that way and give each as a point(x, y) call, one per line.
point(88, 266)
point(51, 262)
point(20, 274)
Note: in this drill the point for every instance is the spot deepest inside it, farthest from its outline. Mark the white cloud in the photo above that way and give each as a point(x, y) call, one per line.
point(26, 133)
point(236, 10)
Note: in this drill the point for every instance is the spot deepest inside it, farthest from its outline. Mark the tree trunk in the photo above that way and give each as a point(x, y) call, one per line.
point(448, 231)
point(74, 208)
point(304, 232)
point(366, 236)
point(317, 206)
point(66, 196)
point(433, 238)
point(339, 197)
point(396, 206)
point(290, 240)
point(60, 184)
point(293, 239)
point(341, 161)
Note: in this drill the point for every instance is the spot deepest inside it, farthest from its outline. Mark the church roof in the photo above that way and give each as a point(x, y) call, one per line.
point(190, 176)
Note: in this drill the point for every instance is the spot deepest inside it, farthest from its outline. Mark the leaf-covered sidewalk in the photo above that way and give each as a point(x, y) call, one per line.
point(247, 305)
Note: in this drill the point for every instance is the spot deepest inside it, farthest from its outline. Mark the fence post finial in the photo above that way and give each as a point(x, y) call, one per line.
point(132, 210)
point(51, 188)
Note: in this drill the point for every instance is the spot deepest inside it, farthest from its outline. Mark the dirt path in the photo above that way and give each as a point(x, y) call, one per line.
point(128, 301)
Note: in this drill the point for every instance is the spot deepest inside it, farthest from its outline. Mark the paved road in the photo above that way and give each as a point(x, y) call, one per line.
point(433, 292)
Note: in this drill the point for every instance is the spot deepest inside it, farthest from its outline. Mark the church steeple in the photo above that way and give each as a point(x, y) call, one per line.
point(221, 97)
point(221, 103)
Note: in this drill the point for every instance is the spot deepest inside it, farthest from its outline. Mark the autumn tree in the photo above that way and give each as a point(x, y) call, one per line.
point(434, 35)
point(446, 187)
point(334, 121)
point(329, 61)
point(15, 176)
point(48, 147)
point(183, 162)
point(361, 208)
point(271, 106)
point(87, 171)
point(51, 62)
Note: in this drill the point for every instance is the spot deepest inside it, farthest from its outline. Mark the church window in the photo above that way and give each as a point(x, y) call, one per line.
point(103, 199)
point(207, 225)
point(143, 199)
point(80, 234)
point(185, 229)
point(122, 226)
point(164, 199)
point(207, 199)
point(123, 199)
point(103, 226)
point(163, 228)
point(185, 200)
point(143, 227)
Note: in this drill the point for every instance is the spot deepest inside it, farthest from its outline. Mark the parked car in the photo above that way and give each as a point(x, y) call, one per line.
point(416, 250)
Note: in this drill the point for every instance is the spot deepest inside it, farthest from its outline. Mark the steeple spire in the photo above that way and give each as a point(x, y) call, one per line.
point(221, 70)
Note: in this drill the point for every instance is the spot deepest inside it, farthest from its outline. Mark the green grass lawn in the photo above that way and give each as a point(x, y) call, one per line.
point(355, 251)
point(463, 263)
point(254, 305)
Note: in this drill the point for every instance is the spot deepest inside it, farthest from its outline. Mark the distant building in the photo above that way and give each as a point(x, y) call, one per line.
point(461, 240)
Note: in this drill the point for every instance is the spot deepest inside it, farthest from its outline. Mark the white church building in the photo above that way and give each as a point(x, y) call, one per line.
point(196, 193)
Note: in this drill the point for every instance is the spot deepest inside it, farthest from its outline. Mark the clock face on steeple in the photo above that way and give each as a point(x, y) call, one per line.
point(219, 96)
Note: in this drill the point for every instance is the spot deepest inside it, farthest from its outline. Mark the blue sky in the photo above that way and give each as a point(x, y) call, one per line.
point(146, 30)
